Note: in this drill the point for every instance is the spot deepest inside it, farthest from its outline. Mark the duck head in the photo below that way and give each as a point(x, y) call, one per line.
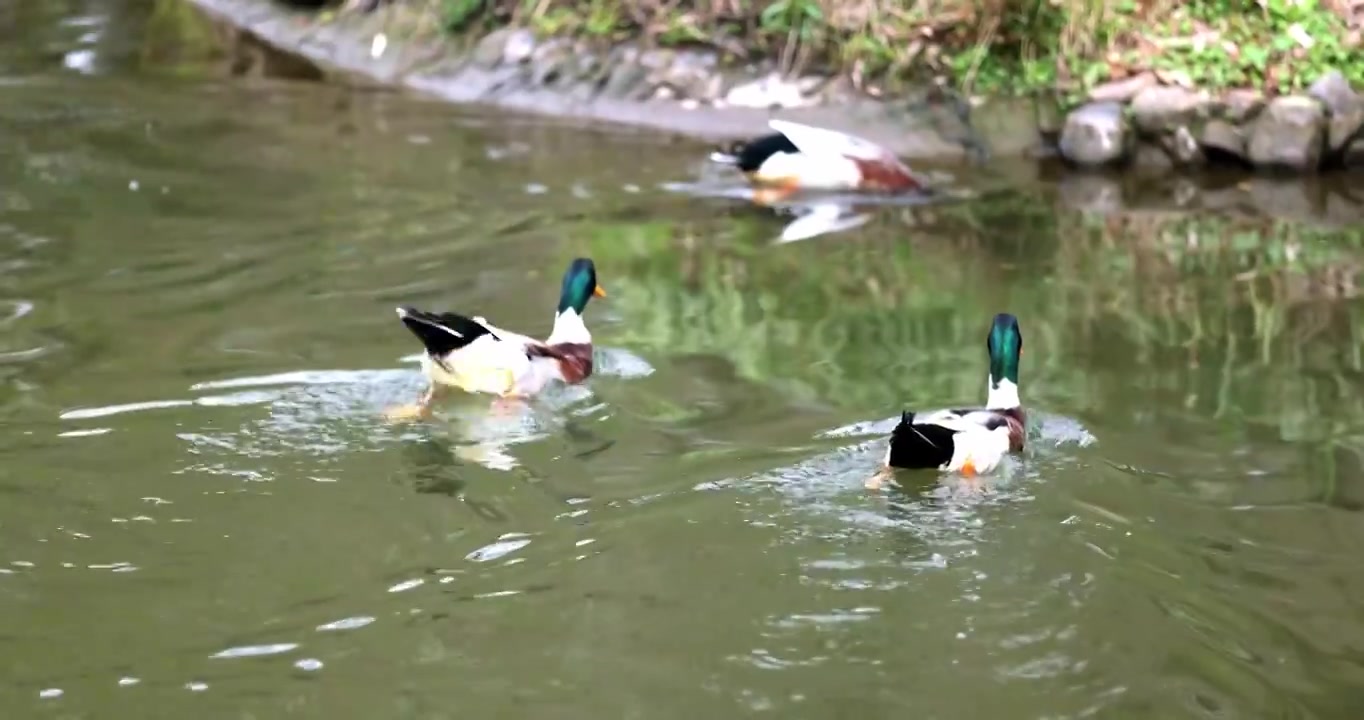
point(1005, 345)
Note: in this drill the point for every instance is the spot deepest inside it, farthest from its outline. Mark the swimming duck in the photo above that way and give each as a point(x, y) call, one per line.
point(972, 440)
point(476, 356)
point(801, 157)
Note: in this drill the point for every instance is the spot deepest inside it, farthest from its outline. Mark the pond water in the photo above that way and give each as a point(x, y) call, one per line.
point(205, 513)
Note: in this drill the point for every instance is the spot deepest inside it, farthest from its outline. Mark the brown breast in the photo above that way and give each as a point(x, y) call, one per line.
point(1017, 428)
point(886, 175)
point(575, 359)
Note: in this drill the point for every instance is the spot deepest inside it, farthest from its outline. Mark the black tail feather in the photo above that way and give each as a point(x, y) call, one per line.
point(919, 446)
point(442, 333)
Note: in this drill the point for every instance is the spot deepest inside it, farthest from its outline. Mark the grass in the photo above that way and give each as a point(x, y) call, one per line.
point(985, 46)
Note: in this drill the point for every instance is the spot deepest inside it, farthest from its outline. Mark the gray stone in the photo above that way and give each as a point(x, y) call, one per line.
point(1347, 108)
point(1182, 146)
point(1223, 136)
point(1122, 90)
point(1159, 110)
point(628, 80)
point(551, 62)
point(520, 45)
point(489, 51)
point(691, 74)
point(1241, 106)
point(1289, 134)
point(1096, 134)
point(769, 91)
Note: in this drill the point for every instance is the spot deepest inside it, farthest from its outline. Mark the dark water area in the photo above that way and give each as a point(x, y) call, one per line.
point(202, 510)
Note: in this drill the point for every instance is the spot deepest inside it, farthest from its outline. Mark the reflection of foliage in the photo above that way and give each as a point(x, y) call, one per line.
point(177, 36)
point(1209, 315)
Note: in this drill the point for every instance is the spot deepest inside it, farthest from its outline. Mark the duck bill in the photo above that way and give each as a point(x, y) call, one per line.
point(599, 291)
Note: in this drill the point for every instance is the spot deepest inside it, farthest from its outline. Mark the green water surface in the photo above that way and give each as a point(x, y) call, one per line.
point(203, 514)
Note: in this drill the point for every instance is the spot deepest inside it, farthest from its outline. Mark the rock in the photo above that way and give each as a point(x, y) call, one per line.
point(489, 51)
point(1095, 134)
point(552, 62)
point(1223, 137)
point(1122, 90)
point(1182, 146)
point(1347, 108)
point(628, 80)
point(691, 74)
point(1288, 134)
point(1159, 110)
point(1241, 106)
point(771, 91)
point(519, 46)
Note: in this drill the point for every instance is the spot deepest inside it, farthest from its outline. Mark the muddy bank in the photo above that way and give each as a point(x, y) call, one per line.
point(682, 91)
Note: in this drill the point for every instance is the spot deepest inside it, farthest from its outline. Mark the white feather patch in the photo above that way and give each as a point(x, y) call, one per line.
point(820, 141)
point(821, 171)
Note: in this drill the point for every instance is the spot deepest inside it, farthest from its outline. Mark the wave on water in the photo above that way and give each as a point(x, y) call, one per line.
point(327, 412)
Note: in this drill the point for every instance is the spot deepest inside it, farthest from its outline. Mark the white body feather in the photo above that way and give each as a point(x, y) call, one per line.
point(812, 171)
point(822, 141)
point(971, 440)
point(500, 366)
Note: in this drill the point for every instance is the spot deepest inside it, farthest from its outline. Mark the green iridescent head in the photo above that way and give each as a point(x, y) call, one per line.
point(1005, 345)
point(580, 284)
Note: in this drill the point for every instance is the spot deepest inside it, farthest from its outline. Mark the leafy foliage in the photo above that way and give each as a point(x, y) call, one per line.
point(996, 46)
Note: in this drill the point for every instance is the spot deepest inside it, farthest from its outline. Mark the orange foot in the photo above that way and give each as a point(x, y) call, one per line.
point(876, 481)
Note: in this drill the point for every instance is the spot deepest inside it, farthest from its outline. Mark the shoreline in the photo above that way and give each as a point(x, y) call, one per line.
point(1139, 124)
point(666, 90)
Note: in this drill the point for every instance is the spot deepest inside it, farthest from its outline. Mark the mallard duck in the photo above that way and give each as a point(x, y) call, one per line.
point(476, 356)
point(801, 157)
point(969, 440)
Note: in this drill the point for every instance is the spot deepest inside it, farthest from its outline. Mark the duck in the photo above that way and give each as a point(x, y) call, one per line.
point(802, 157)
point(970, 441)
point(472, 354)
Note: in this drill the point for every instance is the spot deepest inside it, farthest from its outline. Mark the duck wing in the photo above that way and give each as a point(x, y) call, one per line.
point(822, 141)
point(508, 335)
point(468, 346)
point(567, 361)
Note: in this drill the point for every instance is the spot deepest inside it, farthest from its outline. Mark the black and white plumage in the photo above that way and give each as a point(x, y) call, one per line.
point(803, 157)
point(474, 355)
point(970, 441)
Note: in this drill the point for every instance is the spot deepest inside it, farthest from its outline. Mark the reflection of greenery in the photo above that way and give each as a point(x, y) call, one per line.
point(180, 38)
point(1180, 313)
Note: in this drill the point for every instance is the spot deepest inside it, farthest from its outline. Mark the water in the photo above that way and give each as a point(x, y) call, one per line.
point(203, 511)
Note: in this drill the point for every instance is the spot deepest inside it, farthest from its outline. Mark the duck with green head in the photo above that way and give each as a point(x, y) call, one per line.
point(967, 440)
point(474, 355)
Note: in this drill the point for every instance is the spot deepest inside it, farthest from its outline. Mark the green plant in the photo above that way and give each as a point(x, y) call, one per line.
point(456, 15)
point(989, 46)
